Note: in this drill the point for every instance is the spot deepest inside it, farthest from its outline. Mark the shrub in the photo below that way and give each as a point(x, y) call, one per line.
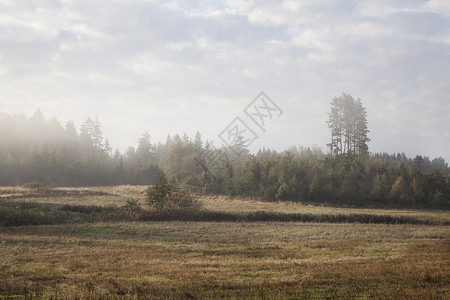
point(159, 193)
point(162, 196)
point(132, 207)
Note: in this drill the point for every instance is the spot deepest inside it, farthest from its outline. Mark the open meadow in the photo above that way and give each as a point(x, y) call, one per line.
point(89, 243)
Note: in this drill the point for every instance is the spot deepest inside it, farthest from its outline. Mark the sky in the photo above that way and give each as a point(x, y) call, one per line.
point(171, 67)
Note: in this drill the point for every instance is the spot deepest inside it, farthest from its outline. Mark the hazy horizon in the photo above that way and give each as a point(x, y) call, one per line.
point(186, 66)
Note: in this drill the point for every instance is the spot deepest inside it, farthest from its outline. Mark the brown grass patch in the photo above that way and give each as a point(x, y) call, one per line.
point(201, 260)
point(232, 260)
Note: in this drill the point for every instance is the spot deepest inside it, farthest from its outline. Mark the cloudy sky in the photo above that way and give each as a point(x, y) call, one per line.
point(182, 66)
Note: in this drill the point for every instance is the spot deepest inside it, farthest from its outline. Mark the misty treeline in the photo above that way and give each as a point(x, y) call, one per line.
point(39, 149)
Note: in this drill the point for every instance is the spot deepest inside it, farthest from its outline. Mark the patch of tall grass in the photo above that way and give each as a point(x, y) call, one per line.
point(29, 214)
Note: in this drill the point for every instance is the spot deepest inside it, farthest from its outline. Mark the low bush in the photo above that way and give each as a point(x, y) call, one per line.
point(131, 208)
point(162, 196)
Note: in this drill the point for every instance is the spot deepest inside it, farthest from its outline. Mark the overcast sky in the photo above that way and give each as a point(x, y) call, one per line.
point(182, 66)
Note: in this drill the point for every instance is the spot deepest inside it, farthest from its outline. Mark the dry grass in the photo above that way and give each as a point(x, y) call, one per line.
point(223, 203)
point(182, 260)
point(118, 195)
point(102, 196)
point(237, 260)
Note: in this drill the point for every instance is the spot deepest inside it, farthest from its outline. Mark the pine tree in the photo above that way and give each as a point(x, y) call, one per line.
point(144, 149)
point(348, 124)
point(335, 123)
point(361, 130)
point(175, 157)
point(91, 137)
point(198, 143)
point(107, 147)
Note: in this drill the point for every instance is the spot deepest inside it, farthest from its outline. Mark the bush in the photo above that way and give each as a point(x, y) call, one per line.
point(131, 208)
point(162, 196)
point(158, 194)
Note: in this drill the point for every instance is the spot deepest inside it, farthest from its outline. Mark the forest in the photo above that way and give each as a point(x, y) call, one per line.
point(40, 150)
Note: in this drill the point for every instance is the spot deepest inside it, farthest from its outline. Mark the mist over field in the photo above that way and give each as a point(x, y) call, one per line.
point(226, 149)
point(187, 66)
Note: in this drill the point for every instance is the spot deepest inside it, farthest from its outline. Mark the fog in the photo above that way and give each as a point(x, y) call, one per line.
point(187, 66)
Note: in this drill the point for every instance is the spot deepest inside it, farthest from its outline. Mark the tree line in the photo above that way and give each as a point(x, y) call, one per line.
point(40, 149)
point(37, 149)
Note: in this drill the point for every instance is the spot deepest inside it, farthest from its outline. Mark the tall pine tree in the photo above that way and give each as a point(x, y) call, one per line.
point(348, 124)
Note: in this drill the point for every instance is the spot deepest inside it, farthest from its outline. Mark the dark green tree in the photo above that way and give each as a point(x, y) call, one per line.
point(348, 125)
point(159, 193)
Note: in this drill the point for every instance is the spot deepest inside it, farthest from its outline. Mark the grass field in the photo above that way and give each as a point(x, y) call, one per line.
point(95, 258)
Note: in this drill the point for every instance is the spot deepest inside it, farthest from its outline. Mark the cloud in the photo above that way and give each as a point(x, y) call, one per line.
point(185, 63)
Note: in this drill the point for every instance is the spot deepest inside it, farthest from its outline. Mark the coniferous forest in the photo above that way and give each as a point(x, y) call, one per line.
point(36, 149)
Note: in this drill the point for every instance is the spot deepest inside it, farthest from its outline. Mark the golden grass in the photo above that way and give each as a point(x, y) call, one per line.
point(222, 203)
point(237, 260)
point(118, 195)
point(182, 260)
point(102, 196)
